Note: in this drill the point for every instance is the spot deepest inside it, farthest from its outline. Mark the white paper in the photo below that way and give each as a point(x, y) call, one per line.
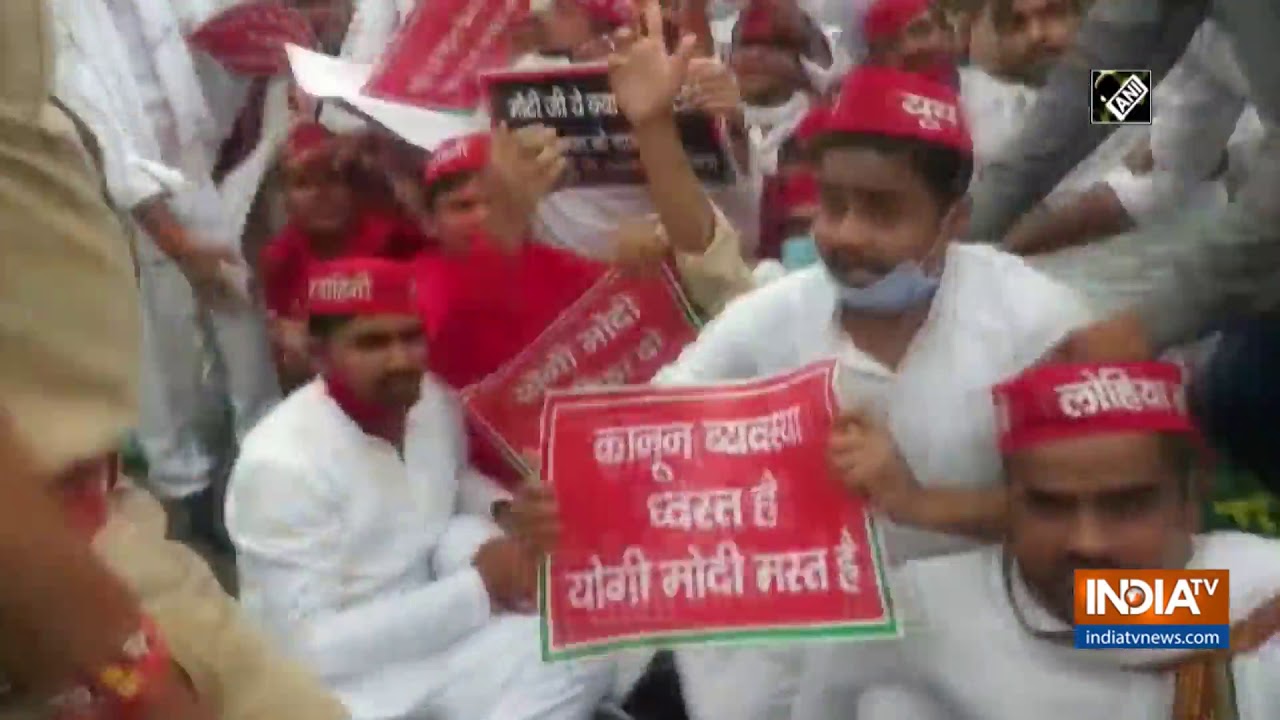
point(329, 78)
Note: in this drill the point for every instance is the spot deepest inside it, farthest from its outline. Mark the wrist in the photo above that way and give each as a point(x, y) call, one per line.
point(660, 124)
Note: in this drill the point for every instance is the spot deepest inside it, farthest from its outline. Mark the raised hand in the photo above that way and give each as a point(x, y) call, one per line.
point(644, 76)
point(712, 87)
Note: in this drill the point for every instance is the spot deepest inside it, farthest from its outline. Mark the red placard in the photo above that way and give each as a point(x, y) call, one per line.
point(250, 39)
point(696, 515)
point(436, 59)
point(623, 330)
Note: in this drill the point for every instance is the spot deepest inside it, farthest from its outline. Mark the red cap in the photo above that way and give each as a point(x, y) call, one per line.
point(360, 286)
point(887, 19)
point(466, 154)
point(613, 13)
point(306, 142)
point(896, 103)
point(799, 191)
point(1068, 400)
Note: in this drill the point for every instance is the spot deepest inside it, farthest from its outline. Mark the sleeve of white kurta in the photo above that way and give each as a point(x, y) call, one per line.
point(722, 351)
point(131, 178)
point(288, 536)
point(1042, 312)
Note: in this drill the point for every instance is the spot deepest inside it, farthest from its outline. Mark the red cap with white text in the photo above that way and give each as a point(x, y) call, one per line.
point(1059, 401)
point(360, 286)
point(897, 103)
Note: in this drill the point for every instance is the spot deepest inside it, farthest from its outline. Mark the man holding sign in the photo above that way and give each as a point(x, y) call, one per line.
point(364, 538)
point(920, 329)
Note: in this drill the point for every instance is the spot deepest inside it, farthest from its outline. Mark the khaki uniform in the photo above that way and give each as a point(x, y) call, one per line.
point(69, 360)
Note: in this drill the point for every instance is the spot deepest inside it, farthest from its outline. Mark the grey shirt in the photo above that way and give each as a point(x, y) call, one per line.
point(1203, 265)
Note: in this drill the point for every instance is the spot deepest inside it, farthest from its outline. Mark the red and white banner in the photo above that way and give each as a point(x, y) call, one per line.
point(621, 331)
point(436, 59)
point(696, 515)
point(250, 39)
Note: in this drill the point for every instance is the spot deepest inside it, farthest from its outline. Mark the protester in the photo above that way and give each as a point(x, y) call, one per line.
point(920, 326)
point(126, 66)
point(1111, 488)
point(327, 220)
point(433, 623)
point(908, 35)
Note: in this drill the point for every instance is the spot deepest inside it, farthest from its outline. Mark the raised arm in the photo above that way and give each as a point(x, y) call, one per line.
point(1149, 34)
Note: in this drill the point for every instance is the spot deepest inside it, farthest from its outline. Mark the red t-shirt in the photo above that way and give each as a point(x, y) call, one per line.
point(481, 309)
point(286, 258)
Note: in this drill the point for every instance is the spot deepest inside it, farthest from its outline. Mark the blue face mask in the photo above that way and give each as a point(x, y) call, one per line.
point(799, 252)
point(906, 287)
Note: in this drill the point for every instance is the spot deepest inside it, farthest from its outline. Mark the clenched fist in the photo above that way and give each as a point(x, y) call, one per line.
point(866, 460)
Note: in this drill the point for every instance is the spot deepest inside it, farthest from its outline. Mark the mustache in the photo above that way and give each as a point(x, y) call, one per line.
point(400, 377)
point(843, 262)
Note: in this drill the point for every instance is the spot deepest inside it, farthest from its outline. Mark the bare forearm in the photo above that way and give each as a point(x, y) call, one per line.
point(62, 613)
point(677, 194)
point(1094, 214)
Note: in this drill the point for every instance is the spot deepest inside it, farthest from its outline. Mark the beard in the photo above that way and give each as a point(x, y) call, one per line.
point(400, 390)
point(854, 270)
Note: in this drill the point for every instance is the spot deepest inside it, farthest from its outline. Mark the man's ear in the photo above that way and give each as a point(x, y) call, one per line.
point(955, 223)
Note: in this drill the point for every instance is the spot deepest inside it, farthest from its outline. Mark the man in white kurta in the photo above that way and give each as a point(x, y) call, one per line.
point(366, 544)
point(988, 635)
point(125, 67)
point(920, 327)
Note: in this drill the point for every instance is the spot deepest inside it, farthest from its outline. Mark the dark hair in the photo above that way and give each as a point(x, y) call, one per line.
point(322, 327)
point(1002, 11)
point(945, 171)
point(446, 184)
point(1189, 460)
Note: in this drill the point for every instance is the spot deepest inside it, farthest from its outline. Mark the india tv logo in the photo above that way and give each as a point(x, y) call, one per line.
point(1152, 609)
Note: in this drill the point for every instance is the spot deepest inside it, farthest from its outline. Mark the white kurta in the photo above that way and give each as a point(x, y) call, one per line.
point(359, 563)
point(966, 657)
point(992, 317)
point(125, 67)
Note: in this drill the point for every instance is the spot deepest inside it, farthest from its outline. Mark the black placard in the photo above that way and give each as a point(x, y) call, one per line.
point(576, 101)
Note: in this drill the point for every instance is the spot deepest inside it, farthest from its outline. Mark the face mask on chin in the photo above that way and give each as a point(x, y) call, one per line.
point(904, 288)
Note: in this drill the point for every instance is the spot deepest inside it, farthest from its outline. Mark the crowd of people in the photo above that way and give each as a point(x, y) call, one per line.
point(239, 482)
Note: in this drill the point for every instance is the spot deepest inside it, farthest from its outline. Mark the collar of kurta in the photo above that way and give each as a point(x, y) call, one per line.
point(373, 419)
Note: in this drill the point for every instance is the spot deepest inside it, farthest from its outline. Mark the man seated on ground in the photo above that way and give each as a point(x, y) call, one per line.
point(365, 541)
point(326, 220)
point(1093, 486)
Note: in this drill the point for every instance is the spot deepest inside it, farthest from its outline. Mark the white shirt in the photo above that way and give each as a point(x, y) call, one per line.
point(965, 656)
point(992, 317)
point(356, 560)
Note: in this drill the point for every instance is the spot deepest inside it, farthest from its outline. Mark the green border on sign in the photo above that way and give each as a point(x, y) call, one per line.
point(888, 626)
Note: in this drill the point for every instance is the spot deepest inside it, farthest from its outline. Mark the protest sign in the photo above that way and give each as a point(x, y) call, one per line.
point(436, 58)
point(621, 331)
point(577, 102)
point(250, 39)
point(702, 515)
